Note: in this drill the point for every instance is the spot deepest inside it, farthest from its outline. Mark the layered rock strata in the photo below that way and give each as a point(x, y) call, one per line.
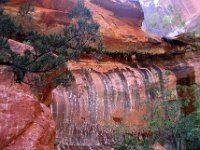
point(120, 22)
point(112, 94)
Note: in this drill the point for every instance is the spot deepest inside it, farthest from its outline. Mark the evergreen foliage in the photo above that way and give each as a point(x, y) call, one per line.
point(25, 8)
point(3, 1)
point(50, 52)
point(167, 125)
point(8, 28)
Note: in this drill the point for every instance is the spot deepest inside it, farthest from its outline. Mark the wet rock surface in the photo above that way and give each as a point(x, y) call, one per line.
point(109, 94)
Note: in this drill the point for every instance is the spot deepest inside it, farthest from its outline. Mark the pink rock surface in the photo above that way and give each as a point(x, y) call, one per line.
point(157, 146)
point(25, 124)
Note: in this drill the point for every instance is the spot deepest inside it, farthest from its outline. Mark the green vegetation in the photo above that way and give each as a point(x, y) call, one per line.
point(153, 19)
point(196, 46)
point(168, 124)
point(167, 21)
point(176, 16)
point(8, 28)
point(125, 141)
point(174, 123)
point(26, 8)
point(3, 1)
point(50, 52)
point(171, 126)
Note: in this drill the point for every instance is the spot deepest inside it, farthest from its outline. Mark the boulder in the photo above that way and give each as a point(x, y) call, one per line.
point(25, 124)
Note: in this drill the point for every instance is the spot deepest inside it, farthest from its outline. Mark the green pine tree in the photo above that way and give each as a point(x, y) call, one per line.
point(50, 52)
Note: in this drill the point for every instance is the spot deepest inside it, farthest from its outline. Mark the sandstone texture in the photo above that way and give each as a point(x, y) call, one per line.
point(25, 124)
point(112, 93)
point(104, 95)
point(120, 22)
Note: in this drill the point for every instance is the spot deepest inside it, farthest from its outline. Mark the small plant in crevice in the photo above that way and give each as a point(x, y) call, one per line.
point(130, 142)
point(196, 46)
point(124, 139)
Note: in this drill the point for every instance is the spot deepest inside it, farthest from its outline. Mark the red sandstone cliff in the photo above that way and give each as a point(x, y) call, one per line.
point(109, 92)
point(120, 22)
point(103, 93)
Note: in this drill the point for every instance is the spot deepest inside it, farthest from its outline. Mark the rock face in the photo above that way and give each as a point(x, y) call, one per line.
point(129, 12)
point(121, 30)
point(188, 8)
point(111, 93)
point(189, 11)
point(171, 17)
point(25, 124)
point(120, 22)
point(61, 5)
point(102, 97)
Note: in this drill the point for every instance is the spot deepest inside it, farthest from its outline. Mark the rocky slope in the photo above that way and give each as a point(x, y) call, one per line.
point(171, 17)
point(120, 22)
